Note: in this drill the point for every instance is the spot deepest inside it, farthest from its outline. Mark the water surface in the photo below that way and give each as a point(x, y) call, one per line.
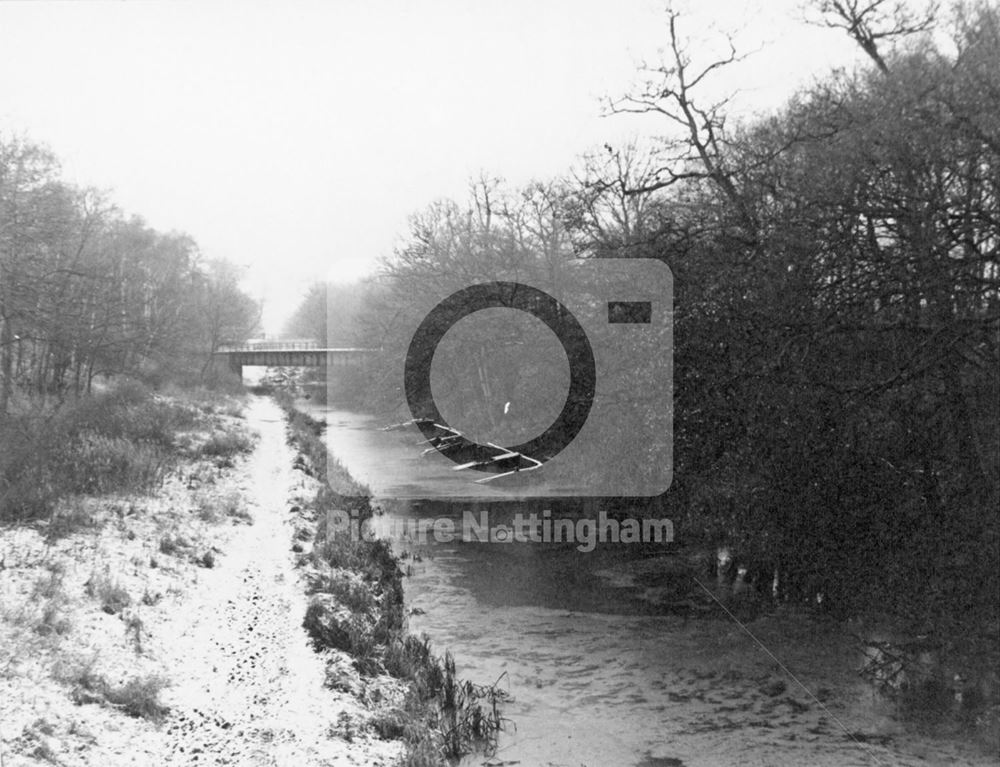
point(617, 656)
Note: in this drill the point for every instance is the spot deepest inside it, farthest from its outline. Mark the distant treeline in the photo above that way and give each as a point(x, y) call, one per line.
point(86, 291)
point(836, 270)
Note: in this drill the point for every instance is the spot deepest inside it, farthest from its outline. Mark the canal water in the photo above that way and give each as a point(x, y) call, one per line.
point(620, 655)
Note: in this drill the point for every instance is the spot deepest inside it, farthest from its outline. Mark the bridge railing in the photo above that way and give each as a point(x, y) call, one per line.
point(271, 346)
point(351, 350)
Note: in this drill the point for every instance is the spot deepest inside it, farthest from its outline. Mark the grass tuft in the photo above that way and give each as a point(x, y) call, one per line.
point(173, 543)
point(214, 508)
point(138, 697)
point(112, 595)
point(69, 518)
point(226, 444)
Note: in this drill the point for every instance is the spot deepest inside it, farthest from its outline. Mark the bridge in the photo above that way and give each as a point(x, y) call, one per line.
point(297, 353)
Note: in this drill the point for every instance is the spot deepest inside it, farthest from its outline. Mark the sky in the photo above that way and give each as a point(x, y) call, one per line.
point(296, 138)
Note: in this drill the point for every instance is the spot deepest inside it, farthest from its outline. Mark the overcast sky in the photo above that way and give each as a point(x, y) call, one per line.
point(296, 138)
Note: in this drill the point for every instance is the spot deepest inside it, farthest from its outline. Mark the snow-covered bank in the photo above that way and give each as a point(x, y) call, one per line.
point(167, 629)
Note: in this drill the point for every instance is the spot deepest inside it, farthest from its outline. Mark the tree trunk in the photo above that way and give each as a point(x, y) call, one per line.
point(6, 368)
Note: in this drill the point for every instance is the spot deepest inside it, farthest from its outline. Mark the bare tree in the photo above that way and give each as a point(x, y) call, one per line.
point(698, 152)
point(613, 210)
point(870, 23)
point(86, 291)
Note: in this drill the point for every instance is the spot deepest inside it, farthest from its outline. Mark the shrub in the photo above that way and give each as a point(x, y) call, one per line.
point(468, 714)
point(389, 723)
point(423, 752)
point(207, 401)
point(50, 586)
point(410, 657)
point(208, 509)
point(54, 620)
point(225, 444)
point(232, 408)
point(138, 697)
point(112, 596)
point(212, 508)
point(328, 624)
point(29, 483)
point(172, 543)
point(113, 441)
point(49, 590)
point(39, 734)
point(348, 589)
point(132, 412)
point(69, 518)
point(135, 627)
point(340, 675)
point(344, 727)
point(96, 463)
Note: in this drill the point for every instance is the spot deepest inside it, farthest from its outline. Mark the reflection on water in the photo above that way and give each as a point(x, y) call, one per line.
point(616, 657)
point(391, 465)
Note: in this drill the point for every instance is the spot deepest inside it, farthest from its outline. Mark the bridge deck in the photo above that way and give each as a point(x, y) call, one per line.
point(291, 355)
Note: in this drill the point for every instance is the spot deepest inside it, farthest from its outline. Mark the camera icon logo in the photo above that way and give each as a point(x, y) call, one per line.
point(600, 425)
